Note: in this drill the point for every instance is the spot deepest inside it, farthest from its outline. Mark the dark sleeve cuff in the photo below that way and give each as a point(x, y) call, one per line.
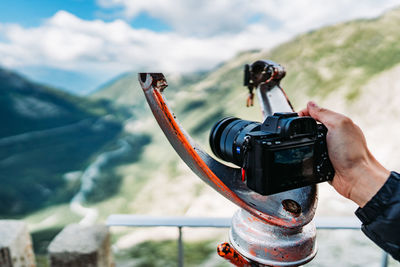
point(380, 201)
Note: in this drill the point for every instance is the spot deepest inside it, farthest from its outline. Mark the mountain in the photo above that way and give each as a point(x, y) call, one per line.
point(329, 63)
point(46, 134)
point(123, 88)
point(74, 82)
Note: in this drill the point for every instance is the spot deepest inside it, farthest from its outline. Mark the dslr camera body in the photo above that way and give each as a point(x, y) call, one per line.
point(284, 152)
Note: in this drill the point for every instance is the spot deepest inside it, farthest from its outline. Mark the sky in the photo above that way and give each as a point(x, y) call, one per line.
point(78, 45)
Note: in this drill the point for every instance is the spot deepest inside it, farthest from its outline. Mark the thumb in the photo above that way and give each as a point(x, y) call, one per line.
point(320, 114)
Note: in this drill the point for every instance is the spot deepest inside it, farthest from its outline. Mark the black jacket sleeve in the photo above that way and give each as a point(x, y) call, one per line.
point(380, 217)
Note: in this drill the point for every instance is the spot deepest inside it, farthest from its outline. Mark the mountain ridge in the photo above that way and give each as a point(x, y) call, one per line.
point(47, 132)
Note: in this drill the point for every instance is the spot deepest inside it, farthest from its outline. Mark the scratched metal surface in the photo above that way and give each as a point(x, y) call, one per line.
point(224, 179)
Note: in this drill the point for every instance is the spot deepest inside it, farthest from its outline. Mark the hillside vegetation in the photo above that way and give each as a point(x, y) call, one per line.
point(47, 139)
point(332, 65)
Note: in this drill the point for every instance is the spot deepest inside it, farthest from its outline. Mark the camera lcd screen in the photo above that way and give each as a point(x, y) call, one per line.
point(293, 163)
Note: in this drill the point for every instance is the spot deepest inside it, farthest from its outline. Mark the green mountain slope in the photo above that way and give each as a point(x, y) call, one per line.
point(123, 89)
point(45, 134)
point(342, 57)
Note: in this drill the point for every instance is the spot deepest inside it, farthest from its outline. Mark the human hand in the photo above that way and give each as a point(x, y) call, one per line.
point(358, 175)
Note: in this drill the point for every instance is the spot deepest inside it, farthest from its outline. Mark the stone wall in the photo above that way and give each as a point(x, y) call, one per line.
point(74, 246)
point(78, 245)
point(15, 245)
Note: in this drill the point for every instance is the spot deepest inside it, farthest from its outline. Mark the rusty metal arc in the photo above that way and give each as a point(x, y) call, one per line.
point(224, 179)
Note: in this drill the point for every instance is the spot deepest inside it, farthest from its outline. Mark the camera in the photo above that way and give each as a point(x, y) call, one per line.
point(282, 153)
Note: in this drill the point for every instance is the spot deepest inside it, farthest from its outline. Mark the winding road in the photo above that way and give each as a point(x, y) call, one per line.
point(88, 182)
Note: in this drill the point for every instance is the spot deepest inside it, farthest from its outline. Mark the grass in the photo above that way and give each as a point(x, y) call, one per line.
point(368, 46)
point(55, 216)
point(164, 253)
point(41, 239)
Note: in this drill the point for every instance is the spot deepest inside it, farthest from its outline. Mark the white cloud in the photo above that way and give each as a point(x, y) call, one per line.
point(304, 15)
point(211, 17)
point(190, 16)
point(67, 42)
point(204, 34)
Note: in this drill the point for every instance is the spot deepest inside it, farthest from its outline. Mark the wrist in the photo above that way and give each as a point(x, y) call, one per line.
point(368, 178)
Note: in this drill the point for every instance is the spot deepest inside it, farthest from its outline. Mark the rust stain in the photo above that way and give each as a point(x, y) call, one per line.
point(253, 252)
point(254, 219)
point(229, 253)
point(275, 252)
point(292, 207)
point(159, 82)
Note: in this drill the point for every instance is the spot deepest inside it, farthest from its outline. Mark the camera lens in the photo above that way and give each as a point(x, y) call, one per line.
point(227, 136)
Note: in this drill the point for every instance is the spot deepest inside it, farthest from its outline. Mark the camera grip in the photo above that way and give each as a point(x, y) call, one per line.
point(324, 168)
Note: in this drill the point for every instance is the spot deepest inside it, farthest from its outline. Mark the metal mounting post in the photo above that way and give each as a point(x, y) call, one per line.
point(180, 247)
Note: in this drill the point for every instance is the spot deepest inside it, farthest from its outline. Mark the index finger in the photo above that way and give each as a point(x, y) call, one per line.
point(303, 112)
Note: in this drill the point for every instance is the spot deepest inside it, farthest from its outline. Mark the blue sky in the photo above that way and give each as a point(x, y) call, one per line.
point(79, 44)
point(33, 13)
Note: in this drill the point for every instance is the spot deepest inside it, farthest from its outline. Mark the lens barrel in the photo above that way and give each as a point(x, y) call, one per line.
point(227, 136)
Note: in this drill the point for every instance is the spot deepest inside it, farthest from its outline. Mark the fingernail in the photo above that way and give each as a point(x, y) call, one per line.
point(313, 104)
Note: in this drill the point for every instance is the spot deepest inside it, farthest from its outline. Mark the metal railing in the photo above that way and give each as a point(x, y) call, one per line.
point(322, 223)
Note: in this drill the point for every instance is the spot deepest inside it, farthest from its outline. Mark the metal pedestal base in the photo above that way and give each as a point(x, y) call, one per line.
point(271, 245)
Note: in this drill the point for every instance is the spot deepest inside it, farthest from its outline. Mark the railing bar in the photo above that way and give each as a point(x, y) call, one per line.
point(337, 228)
point(148, 226)
point(322, 223)
point(385, 259)
point(180, 248)
point(139, 220)
point(174, 225)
